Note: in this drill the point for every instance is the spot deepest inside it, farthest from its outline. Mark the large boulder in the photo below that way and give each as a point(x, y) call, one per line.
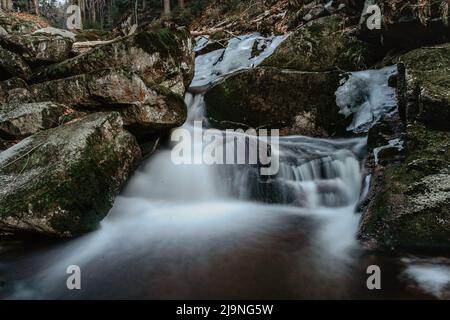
point(145, 109)
point(164, 57)
point(21, 120)
point(298, 102)
point(410, 201)
point(163, 111)
point(324, 44)
point(94, 90)
point(427, 94)
point(63, 181)
point(12, 65)
point(38, 48)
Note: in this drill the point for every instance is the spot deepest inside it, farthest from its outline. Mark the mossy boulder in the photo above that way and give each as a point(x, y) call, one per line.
point(297, 102)
point(324, 44)
point(427, 94)
point(38, 48)
point(163, 111)
point(145, 110)
point(12, 65)
point(410, 204)
point(18, 121)
point(164, 57)
point(63, 181)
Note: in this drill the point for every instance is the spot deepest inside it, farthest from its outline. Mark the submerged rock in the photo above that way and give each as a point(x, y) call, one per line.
point(323, 45)
point(21, 120)
point(297, 102)
point(66, 178)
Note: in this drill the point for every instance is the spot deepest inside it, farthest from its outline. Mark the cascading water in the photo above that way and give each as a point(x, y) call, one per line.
point(219, 231)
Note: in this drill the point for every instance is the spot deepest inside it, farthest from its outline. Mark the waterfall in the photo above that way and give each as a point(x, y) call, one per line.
point(219, 231)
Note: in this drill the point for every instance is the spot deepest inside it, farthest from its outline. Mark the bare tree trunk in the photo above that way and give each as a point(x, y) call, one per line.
point(181, 4)
point(166, 8)
point(36, 7)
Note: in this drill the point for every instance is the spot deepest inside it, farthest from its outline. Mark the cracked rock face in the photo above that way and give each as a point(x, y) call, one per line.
point(23, 119)
point(38, 48)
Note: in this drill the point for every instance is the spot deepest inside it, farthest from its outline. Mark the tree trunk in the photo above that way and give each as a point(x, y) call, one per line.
point(36, 7)
point(181, 4)
point(166, 8)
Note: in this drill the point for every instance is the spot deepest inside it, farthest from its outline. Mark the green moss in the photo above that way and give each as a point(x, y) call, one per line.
point(395, 219)
point(323, 45)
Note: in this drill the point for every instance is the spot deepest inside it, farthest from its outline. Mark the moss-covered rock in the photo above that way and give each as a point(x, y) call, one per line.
point(410, 205)
point(298, 102)
point(21, 120)
point(163, 111)
point(38, 48)
point(145, 109)
point(164, 57)
point(324, 44)
point(63, 181)
point(427, 96)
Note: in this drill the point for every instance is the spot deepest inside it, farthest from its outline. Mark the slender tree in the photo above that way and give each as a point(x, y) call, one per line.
point(166, 11)
point(36, 7)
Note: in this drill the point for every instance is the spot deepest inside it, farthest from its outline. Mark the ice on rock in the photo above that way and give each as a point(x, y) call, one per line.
point(238, 55)
point(367, 96)
point(201, 42)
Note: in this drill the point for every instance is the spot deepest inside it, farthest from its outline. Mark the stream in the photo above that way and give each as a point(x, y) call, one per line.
point(198, 231)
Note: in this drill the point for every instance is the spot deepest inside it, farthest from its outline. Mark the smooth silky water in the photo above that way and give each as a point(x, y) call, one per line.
point(224, 231)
